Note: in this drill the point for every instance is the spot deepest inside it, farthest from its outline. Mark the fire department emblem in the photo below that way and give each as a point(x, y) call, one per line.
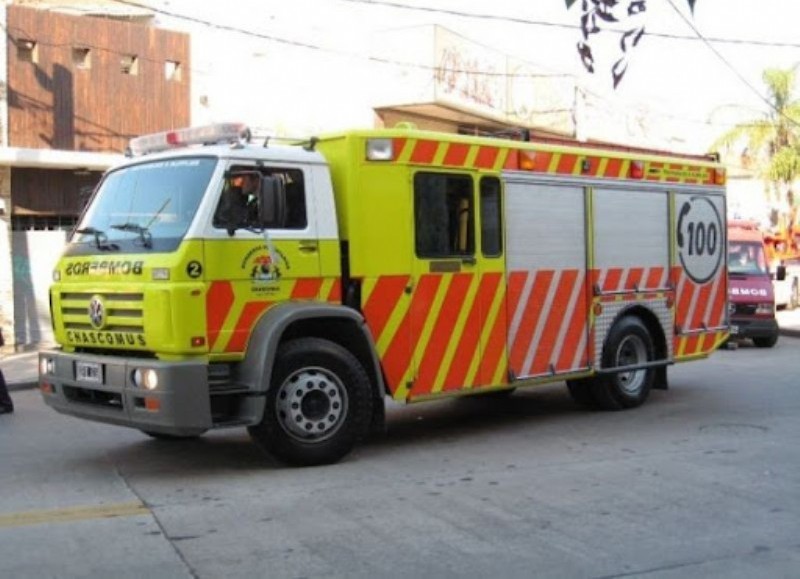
point(97, 312)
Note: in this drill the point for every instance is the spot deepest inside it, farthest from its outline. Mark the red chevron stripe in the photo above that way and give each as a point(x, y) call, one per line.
point(470, 338)
point(424, 152)
point(382, 302)
point(555, 319)
point(442, 333)
point(306, 288)
point(219, 301)
point(530, 319)
point(456, 155)
point(398, 355)
point(251, 311)
point(575, 331)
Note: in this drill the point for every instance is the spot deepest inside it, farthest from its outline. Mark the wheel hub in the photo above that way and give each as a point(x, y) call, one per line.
point(631, 351)
point(311, 404)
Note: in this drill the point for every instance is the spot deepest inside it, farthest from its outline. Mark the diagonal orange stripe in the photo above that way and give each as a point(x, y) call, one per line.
point(530, 319)
point(335, 295)
point(442, 333)
point(492, 354)
point(576, 329)
point(306, 288)
point(555, 319)
point(612, 281)
point(486, 157)
point(245, 323)
point(456, 155)
point(634, 279)
point(469, 341)
point(424, 152)
point(398, 355)
point(566, 165)
point(219, 300)
point(655, 278)
point(382, 302)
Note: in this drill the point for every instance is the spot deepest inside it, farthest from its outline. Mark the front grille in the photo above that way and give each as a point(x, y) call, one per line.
point(93, 397)
point(744, 309)
point(123, 311)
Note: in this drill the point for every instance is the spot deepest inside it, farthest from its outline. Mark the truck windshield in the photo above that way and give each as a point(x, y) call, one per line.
point(746, 258)
point(144, 207)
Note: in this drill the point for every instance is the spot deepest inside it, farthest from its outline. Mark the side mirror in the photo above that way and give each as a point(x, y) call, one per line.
point(272, 202)
point(780, 272)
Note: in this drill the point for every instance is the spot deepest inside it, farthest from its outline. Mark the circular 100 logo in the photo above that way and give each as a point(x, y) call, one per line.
point(700, 238)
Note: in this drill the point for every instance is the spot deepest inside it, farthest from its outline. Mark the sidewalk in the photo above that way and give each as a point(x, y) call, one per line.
point(22, 372)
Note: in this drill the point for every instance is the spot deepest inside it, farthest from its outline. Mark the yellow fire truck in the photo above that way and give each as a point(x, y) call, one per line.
point(213, 282)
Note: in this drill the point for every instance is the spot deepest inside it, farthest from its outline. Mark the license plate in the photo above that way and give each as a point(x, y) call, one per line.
point(89, 372)
point(734, 330)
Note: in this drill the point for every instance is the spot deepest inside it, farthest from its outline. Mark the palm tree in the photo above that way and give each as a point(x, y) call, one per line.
point(772, 141)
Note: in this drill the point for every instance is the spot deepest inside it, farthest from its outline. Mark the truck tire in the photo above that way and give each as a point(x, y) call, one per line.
point(766, 342)
point(628, 343)
point(318, 405)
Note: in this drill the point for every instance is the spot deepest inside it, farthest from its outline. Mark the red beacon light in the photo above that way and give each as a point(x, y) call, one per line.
point(636, 170)
point(209, 134)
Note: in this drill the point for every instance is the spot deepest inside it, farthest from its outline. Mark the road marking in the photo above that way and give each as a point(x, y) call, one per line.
point(71, 514)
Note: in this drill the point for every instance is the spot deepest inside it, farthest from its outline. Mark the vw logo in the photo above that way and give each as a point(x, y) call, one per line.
point(97, 312)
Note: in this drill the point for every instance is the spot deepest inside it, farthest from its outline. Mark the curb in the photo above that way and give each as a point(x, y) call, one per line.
point(20, 386)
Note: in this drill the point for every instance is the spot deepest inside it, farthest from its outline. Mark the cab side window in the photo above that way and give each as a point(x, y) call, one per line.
point(239, 204)
point(491, 218)
point(444, 215)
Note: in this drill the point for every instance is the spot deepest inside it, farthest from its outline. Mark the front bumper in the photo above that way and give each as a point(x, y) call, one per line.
point(753, 327)
point(179, 405)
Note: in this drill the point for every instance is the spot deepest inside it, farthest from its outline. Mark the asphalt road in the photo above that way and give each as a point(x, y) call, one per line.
point(703, 481)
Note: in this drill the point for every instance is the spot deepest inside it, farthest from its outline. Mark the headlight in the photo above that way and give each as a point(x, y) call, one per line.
point(765, 309)
point(46, 366)
point(145, 378)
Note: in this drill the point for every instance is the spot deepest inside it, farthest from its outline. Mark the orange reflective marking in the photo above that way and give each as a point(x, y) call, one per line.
point(567, 163)
point(456, 155)
point(530, 319)
point(655, 278)
point(612, 281)
point(442, 333)
point(306, 288)
point(684, 301)
point(541, 161)
point(398, 355)
point(701, 306)
point(398, 146)
point(486, 157)
point(717, 317)
point(219, 300)
point(634, 279)
point(424, 152)
point(555, 319)
point(470, 337)
point(512, 160)
point(244, 325)
point(382, 302)
point(614, 168)
point(495, 347)
point(575, 331)
point(335, 295)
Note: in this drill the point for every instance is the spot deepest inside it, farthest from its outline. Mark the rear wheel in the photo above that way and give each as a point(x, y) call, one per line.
point(318, 404)
point(628, 344)
point(767, 342)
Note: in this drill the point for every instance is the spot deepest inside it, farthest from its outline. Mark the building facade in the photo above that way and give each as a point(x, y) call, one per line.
point(76, 89)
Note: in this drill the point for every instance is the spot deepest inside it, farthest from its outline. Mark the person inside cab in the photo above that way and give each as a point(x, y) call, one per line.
point(238, 207)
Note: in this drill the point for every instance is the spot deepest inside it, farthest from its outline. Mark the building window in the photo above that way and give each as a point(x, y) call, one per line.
point(28, 51)
point(173, 70)
point(82, 58)
point(444, 215)
point(43, 222)
point(130, 64)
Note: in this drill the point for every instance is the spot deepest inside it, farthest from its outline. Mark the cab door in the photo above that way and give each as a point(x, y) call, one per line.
point(456, 293)
point(249, 271)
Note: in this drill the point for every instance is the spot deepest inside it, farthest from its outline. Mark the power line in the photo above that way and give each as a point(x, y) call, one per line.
point(543, 23)
point(732, 68)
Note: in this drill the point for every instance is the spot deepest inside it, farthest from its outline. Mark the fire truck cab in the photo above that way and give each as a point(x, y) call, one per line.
point(214, 283)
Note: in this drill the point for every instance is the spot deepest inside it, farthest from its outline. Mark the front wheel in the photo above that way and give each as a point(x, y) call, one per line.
point(318, 404)
point(628, 344)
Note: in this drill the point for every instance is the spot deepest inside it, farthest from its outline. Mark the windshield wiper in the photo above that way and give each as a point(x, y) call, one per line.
point(100, 238)
point(144, 232)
